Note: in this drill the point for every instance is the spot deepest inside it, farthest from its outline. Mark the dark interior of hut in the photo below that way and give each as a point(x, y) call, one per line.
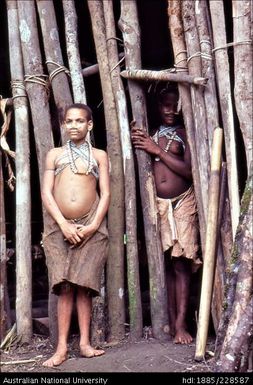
point(156, 54)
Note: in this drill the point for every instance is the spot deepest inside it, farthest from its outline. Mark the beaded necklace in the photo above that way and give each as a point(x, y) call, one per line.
point(84, 151)
point(170, 133)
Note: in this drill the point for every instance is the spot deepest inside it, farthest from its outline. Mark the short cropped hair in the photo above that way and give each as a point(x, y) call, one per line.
point(80, 106)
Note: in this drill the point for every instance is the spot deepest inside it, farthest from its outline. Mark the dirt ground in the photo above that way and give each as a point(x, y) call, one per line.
point(147, 355)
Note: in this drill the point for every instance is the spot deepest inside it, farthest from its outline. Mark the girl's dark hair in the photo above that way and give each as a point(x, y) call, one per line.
point(169, 89)
point(80, 106)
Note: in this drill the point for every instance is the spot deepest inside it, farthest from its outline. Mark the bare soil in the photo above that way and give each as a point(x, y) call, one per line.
point(147, 355)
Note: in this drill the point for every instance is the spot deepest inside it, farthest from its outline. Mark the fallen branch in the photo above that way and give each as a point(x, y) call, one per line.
point(20, 361)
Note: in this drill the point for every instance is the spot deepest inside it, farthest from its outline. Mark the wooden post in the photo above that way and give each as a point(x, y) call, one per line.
point(3, 256)
point(199, 110)
point(212, 114)
point(70, 18)
point(129, 26)
point(233, 355)
point(58, 73)
point(133, 279)
point(36, 89)
point(242, 28)
point(224, 88)
point(206, 45)
point(23, 189)
point(177, 37)
point(115, 262)
point(211, 243)
point(98, 320)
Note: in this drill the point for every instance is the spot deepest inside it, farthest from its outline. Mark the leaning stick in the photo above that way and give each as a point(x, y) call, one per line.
point(210, 246)
point(148, 75)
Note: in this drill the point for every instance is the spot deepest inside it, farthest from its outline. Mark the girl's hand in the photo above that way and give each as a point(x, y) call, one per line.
point(70, 232)
point(142, 141)
point(86, 231)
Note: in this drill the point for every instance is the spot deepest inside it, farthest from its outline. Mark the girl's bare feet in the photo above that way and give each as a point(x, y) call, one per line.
point(57, 359)
point(182, 337)
point(89, 352)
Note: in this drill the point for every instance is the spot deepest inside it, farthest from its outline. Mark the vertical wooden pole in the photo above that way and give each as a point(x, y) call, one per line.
point(224, 88)
point(178, 42)
point(3, 256)
point(198, 103)
point(206, 45)
point(38, 99)
point(133, 279)
point(242, 28)
point(211, 243)
point(58, 76)
point(115, 262)
point(23, 189)
point(129, 26)
point(72, 45)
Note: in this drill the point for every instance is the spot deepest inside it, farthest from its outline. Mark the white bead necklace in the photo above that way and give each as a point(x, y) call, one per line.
point(166, 149)
point(86, 146)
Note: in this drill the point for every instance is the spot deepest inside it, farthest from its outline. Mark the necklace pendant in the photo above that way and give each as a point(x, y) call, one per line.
point(157, 158)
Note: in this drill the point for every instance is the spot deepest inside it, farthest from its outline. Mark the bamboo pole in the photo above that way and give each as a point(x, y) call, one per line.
point(224, 88)
point(58, 73)
point(3, 257)
point(115, 262)
point(210, 248)
point(242, 26)
point(70, 18)
point(129, 26)
point(133, 279)
point(178, 43)
point(23, 188)
point(148, 75)
point(199, 111)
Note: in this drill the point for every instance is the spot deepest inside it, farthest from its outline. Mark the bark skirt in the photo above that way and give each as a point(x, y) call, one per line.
point(81, 265)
